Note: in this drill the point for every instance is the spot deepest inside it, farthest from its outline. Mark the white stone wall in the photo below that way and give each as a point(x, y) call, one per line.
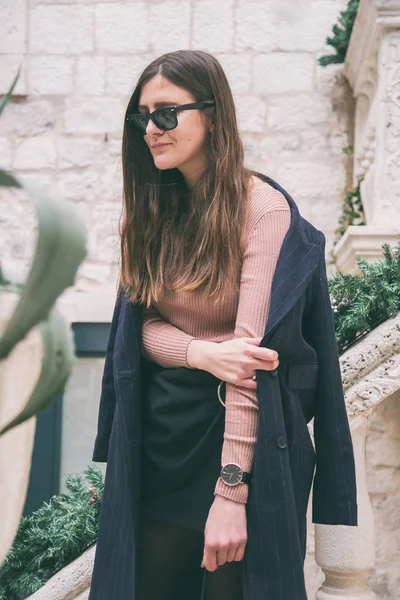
point(80, 60)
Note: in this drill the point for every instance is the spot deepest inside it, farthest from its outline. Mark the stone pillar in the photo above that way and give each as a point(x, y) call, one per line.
point(373, 70)
point(346, 554)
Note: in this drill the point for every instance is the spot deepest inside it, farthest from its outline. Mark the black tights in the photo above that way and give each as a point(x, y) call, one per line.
point(169, 558)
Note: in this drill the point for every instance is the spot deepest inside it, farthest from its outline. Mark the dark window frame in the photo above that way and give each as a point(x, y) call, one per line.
point(44, 481)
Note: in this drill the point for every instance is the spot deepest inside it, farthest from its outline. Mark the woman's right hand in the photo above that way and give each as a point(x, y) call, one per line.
point(234, 361)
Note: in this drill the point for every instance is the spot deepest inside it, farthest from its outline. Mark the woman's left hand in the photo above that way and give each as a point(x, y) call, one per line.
point(225, 535)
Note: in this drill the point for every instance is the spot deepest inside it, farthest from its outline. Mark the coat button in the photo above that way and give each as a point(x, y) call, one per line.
point(273, 373)
point(281, 441)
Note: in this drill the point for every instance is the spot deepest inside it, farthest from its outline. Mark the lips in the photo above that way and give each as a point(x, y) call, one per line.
point(157, 146)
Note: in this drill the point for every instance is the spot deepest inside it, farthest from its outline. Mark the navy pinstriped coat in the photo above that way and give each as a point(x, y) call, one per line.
point(306, 384)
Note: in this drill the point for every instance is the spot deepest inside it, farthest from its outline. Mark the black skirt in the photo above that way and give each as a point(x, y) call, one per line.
point(183, 429)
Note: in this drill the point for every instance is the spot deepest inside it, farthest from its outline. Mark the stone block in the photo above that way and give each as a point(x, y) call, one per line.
point(257, 26)
point(114, 147)
point(107, 248)
point(378, 454)
point(10, 63)
point(122, 73)
point(35, 153)
point(83, 186)
point(5, 153)
point(306, 29)
point(298, 112)
point(251, 113)
point(94, 115)
point(381, 480)
point(281, 73)
point(121, 28)
point(285, 145)
point(213, 26)
point(169, 25)
point(323, 181)
point(90, 76)
point(237, 70)
point(384, 546)
point(315, 142)
point(27, 118)
point(79, 152)
point(61, 29)
point(327, 78)
point(95, 272)
point(13, 26)
point(50, 75)
point(251, 147)
point(387, 512)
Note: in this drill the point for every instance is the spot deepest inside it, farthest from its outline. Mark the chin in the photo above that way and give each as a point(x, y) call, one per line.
point(163, 165)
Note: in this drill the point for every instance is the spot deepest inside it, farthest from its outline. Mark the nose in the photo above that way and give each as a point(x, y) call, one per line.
point(152, 128)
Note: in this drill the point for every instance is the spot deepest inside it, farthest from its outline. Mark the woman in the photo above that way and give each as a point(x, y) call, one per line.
point(201, 237)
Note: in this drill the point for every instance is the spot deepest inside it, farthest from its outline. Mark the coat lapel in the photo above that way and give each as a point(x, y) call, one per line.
point(299, 255)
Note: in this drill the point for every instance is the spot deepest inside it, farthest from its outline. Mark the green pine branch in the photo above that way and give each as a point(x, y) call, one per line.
point(53, 536)
point(341, 35)
point(362, 302)
point(352, 212)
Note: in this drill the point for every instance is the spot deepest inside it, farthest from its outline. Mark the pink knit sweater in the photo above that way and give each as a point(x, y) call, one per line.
point(179, 318)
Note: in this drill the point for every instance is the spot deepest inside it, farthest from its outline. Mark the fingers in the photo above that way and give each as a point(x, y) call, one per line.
point(230, 556)
point(253, 340)
point(210, 558)
point(222, 556)
point(239, 554)
point(264, 354)
point(216, 556)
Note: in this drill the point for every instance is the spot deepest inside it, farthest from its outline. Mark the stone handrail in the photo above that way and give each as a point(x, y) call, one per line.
point(371, 373)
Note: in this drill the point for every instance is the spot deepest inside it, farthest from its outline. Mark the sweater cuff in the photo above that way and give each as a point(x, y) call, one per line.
point(186, 353)
point(238, 493)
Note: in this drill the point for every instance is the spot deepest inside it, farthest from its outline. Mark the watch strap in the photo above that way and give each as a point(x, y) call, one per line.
point(246, 477)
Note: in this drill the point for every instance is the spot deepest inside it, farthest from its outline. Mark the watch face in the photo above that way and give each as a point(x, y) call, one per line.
point(231, 474)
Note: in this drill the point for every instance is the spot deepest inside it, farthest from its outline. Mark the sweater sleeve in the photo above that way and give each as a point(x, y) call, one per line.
point(162, 342)
point(241, 406)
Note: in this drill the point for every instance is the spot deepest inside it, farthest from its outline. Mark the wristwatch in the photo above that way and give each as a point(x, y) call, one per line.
point(232, 474)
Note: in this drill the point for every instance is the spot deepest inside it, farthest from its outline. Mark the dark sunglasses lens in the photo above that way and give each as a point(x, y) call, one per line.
point(139, 121)
point(165, 119)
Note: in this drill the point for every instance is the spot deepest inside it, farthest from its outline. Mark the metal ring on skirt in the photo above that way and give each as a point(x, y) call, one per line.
point(219, 395)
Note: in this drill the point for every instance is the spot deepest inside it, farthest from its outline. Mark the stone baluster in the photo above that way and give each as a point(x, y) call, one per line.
point(346, 554)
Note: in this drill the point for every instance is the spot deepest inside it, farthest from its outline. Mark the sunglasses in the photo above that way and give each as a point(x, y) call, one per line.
point(164, 118)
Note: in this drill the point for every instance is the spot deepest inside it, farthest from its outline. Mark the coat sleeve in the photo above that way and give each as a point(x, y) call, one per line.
point(334, 500)
point(107, 397)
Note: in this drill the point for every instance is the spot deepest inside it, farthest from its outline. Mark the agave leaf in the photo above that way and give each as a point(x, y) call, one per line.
point(58, 360)
point(61, 247)
point(7, 96)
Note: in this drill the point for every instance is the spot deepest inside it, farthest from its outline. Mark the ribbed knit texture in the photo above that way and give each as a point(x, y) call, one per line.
point(178, 318)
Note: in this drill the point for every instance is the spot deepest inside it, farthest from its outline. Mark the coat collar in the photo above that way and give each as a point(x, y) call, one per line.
point(300, 253)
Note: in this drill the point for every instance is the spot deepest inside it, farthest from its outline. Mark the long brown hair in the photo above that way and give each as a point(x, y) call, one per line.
point(172, 237)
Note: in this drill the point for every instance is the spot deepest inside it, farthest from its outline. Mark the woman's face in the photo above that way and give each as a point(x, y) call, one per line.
point(185, 146)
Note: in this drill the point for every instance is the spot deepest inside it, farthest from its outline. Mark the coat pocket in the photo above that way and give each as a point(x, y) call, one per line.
point(302, 375)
